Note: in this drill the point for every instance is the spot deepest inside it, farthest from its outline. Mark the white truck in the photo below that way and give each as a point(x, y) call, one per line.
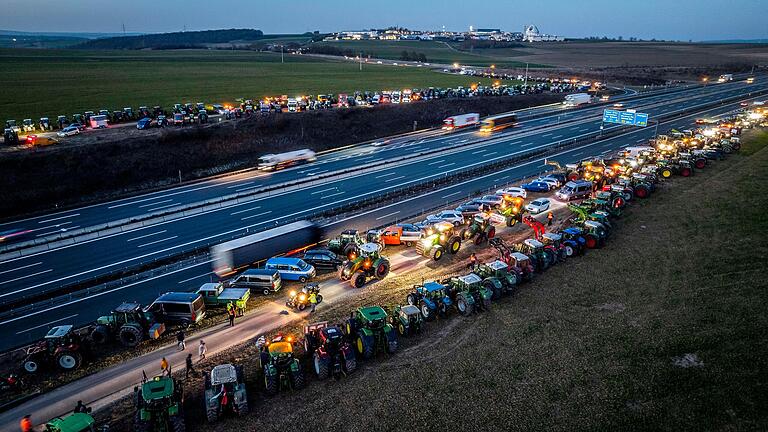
point(99, 122)
point(271, 162)
point(725, 78)
point(461, 121)
point(577, 99)
point(292, 105)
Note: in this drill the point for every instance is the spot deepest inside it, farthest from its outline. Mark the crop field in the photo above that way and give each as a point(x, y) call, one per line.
point(436, 52)
point(39, 83)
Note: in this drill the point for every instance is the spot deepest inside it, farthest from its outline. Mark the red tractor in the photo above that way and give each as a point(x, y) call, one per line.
point(520, 263)
point(552, 242)
point(60, 347)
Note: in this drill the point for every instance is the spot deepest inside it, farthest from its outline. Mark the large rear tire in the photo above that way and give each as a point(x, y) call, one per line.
point(100, 334)
point(130, 336)
point(322, 366)
point(364, 345)
point(464, 307)
point(412, 299)
point(382, 269)
point(270, 384)
point(426, 311)
point(68, 360)
point(212, 413)
point(297, 379)
point(454, 244)
point(350, 361)
point(177, 423)
point(358, 280)
point(392, 344)
point(140, 425)
point(31, 366)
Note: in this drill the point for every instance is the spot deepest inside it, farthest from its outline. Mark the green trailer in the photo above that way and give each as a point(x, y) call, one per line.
point(216, 295)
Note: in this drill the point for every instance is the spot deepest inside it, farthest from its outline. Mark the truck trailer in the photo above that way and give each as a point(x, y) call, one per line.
point(271, 162)
point(498, 122)
point(230, 256)
point(461, 121)
point(98, 121)
point(577, 99)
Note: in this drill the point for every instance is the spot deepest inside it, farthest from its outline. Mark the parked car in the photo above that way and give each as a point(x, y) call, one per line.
point(452, 216)
point(468, 210)
point(79, 126)
point(400, 234)
point(291, 268)
point(494, 201)
point(535, 186)
point(538, 205)
point(553, 184)
point(184, 308)
point(513, 192)
point(68, 131)
point(264, 280)
point(574, 190)
point(144, 123)
point(322, 259)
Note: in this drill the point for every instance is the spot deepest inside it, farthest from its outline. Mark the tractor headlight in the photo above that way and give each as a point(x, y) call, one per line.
point(292, 293)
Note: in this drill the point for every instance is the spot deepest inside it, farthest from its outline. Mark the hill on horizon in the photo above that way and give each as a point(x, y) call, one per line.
point(188, 39)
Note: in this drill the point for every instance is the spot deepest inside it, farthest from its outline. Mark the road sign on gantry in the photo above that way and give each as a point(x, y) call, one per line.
point(625, 117)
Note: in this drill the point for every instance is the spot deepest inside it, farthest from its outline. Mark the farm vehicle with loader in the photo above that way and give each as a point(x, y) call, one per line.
point(369, 264)
point(518, 262)
point(159, 405)
point(332, 354)
point(225, 392)
point(431, 298)
point(281, 369)
point(129, 324)
point(439, 239)
point(347, 244)
point(541, 258)
point(469, 293)
point(61, 347)
point(480, 229)
point(372, 333)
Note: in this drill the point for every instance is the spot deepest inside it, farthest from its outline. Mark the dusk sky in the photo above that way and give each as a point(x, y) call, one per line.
point(661, 19)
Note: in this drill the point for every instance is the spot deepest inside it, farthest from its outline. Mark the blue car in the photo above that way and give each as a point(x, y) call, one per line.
point(144, 123)
point(291, 268)
point(535, 186)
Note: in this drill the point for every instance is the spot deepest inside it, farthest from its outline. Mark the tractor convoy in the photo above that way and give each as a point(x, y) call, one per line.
point(335, 350)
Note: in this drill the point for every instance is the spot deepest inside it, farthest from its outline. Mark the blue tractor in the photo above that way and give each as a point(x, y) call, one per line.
point(431, 298)
point(574, 241)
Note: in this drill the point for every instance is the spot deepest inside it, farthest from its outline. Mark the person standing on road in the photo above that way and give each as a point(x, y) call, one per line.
point(472, 262)
point(80, 407)
point(201, 350)
point(550, 218)
point(180, 339)
point(164, 368)
point(190, 368)
point(231, 313)
point(313, 301)
point(26, 423)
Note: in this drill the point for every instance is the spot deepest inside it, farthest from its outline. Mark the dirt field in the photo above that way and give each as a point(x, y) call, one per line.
point(662, 329)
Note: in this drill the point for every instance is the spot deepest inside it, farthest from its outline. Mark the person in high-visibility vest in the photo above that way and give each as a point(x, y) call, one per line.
point(313, 301)
point(26, 424)
point(550, 218)
point(472, 262)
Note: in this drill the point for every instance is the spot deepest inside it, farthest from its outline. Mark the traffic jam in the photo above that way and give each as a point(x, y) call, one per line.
point(529, 227)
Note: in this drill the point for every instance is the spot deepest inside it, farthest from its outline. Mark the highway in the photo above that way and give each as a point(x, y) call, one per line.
point(117, 381)
point(45, 271)
point(80, 311)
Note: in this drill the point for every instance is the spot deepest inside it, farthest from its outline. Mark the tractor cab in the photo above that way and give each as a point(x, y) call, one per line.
point(225, 392)
point(431, 298)
point(533, 245)
point(75, 422)
point(45, 123)
point(372, 317)
point(407, 319)
point(551, 239)
point(224, 375)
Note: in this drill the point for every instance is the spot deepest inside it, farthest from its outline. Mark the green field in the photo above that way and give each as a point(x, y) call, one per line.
point(39, 83)
point(436, 52)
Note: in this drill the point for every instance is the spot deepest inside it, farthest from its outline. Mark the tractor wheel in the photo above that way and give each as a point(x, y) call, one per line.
point(350, 362)
point(100, 334)
point(408, 244)
point(297, 380)
point(358, 280)
point(68, 360)
point(130, 336)
point(412, 299)
point(319, 298)
point(382, 269)
point(437, 253)
point(364, 345)
point(700, 163)
point(392, 344)
point(31, 366)
point(426, 311)
point(618, 203)
point(464, 307)
point(642, 191)
point(491, 232)
point(401, 329)
point(242, 407)
point(212, 413)
point(551, 256)
point(486, 302)
point(322, 366)
point(493, 288)
point(271, 384)
point(454, 244)
point(140, 425)
point(591, 241)
point(666, 173)
point(463, 234)
point(301, 306)
point(511, 221)
point(569, 250)
point(685, 172)
point(480, 238)
point(351, 327)
point(177, 424)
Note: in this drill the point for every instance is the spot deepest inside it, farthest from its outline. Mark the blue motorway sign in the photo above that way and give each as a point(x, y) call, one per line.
point(625, 117)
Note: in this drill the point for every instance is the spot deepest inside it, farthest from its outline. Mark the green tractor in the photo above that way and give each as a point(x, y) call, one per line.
point(468, 293)
point(372, 334)
point(595, 234)
point(512, 210)
point(347, 244)
point(76, 422)
point(439, 239)
point(128, 323)
point(282, 370)
point(540, 257)
point(225, 392)
point(480, 229)
point(407, 319)
point(583, 213)
point(368, 264)
point(498, 277)
point(159, 405)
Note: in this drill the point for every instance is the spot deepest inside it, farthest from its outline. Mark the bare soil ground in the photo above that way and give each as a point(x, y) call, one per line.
point(99, 166)
point(662, 329)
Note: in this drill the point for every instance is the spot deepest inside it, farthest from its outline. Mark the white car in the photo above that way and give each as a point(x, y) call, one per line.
point(513, 192)
point(452, 216)
point(68, 131)
point(553, 183)
point(492, 200)
point(538, 205)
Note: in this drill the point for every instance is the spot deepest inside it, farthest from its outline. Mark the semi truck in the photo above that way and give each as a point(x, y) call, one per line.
point(98, 121)
point(498, 122)
point(461, 121)
point(233, 255)
point(272, 162)
point(577, 99)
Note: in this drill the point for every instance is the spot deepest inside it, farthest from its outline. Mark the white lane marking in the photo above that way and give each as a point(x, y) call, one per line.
point(490, 154)
point(156, 203)
point(161, 207)
point(324, 190)
point(502, 178)
point(20, 278)
point(146, 235)
point(577, 154)
point(58, 231)
point(60, 217)
point(393, 179)
point(240, 185)
point(452, 194)
point(53, 226)
point(387, 215)
point(317, 172)
point(246, 210)
point(526, 145)
point(557, 136)
point(480, 151)
point(136, 202)
point(516, 142)
point(386, 175)
point(546, 134)
point(436, 162)
point(244, 189)
point(157, 241)
point(256, 215)
point(22, 267)
point(447, 165)
point(640, 140)
point(48, 323)
point(331, 195)
point(193, 277)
